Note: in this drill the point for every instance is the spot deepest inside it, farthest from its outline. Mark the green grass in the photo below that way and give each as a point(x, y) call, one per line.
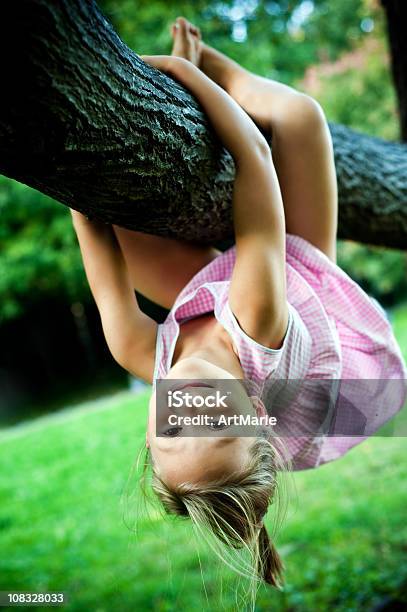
point(61, 523)
point(62, 528)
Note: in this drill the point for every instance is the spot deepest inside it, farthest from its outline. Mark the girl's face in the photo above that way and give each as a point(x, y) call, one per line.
point(198, 453)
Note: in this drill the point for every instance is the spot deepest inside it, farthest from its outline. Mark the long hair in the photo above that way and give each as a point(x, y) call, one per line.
point(232, 508)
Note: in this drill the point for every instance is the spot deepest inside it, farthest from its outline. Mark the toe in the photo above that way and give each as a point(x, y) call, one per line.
point(173, 29)
point(195, 31)
point(186, 41)
point(182, 24)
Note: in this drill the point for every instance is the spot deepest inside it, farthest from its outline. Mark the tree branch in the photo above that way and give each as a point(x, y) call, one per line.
point(85, 121)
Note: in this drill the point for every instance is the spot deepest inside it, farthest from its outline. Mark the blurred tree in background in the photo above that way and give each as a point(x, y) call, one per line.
point(279, 39)
point(40, 256)
point(335, 51)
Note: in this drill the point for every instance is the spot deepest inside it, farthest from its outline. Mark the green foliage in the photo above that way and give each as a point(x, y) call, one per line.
point(381, 272)
point(363, 100)
point(399, 322)
point(276, 38)
point(39, 256)
point(61, 524)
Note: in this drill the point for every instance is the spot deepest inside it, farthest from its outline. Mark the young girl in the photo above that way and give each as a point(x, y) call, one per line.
point(273, 307)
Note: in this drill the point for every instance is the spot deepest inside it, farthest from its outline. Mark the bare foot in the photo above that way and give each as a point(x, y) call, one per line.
point(187, 41)
point(227, 73)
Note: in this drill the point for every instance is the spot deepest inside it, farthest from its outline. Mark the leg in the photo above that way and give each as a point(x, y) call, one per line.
point(301, 145)
point(161, 267)
point(301, 141)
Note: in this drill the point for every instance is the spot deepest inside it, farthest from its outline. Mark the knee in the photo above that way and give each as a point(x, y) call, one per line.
point(311, 109)
point(303, 116)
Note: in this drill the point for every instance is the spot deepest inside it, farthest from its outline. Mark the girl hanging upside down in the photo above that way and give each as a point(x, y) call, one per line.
point(275, 307)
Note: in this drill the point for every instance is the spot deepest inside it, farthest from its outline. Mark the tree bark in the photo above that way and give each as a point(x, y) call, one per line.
point(85, 121)
point(396, 14)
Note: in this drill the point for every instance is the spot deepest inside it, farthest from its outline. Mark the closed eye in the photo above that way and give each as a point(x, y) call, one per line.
point(173, 431)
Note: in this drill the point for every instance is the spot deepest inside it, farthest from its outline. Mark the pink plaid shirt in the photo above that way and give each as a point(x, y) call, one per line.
point(335, 332)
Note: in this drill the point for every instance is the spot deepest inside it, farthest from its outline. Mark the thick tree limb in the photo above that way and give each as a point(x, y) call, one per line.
point(84, 120)
point(372, 181)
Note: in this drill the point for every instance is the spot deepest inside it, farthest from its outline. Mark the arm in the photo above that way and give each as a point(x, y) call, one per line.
point(258, 287)
point(129, 333)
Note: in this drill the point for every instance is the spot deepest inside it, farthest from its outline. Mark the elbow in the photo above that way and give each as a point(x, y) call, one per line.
point(262, 149)
point(122, 358)
point(120, 350)
point(257, 150)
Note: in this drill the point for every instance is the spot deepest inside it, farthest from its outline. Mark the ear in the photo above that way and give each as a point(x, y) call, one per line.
point(259, 406)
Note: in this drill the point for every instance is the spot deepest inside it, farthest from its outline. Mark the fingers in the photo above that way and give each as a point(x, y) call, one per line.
point(161, 62)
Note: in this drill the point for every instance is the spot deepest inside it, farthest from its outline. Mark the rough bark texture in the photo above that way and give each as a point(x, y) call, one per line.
point(84, 120)
point(396, 12)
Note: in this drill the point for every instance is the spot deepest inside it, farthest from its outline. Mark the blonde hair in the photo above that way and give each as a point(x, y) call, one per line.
point(232, 508)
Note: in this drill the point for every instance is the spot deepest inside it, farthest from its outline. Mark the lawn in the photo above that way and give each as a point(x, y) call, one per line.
point(62, 528)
